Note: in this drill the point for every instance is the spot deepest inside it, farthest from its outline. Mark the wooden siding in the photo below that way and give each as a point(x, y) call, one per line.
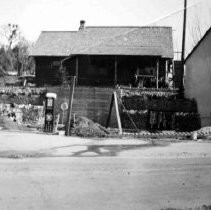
point(46, 70)
point(90, 102)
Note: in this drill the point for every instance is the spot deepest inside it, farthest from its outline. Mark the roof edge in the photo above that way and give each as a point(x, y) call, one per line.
point(129, 27)
point(199, 42)
point(55, 31)
point(58, 31)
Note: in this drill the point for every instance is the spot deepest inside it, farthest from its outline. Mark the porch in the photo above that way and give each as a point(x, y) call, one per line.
point(112, 71)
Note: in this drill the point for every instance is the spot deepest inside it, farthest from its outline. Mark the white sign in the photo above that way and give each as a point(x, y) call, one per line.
point(64, 106)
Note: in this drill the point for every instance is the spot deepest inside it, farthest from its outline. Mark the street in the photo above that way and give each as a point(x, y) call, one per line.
point(115, 176)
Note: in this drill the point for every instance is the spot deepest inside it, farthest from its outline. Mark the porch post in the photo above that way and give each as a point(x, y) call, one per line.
point(115, 71)
point(157, 72)
point(166, 70)
point(76, 71)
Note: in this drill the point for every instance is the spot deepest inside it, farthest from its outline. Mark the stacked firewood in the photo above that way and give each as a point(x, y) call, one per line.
point(137, 107)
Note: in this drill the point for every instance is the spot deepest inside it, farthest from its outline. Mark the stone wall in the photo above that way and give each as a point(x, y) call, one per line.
point(90, 102)
point(23, 114)
point(20, 95)
point(94, 103)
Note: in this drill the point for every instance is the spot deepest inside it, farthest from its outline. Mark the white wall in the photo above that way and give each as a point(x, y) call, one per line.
point(198, 78)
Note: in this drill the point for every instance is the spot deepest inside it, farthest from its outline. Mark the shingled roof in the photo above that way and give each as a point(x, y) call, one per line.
point(153, 41)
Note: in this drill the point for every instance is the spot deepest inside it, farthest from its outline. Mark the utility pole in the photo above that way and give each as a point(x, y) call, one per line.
point(71, 98)
point(183, 50)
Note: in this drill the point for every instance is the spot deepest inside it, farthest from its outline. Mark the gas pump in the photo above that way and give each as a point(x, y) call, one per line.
point(49, 112)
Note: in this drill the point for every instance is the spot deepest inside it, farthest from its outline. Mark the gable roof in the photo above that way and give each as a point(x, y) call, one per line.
point(197, 45)
point(154, 41)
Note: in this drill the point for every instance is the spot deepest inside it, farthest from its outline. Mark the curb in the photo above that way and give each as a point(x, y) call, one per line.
point(167, 134)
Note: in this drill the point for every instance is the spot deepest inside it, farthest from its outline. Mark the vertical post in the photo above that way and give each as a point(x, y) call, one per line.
point(157, 73)
point(117, 114)
point(166, 71)
point(115, 71)
point(210, 118)
point(76, 71)
point(68, 123)
point(173, 73)
point(110, 111)
point(183, 49)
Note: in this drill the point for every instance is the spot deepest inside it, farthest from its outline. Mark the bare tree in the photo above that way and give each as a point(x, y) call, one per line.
point(11, 34)
point(14, 54)
point(24, 63)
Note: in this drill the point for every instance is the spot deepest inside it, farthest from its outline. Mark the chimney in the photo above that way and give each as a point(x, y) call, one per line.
point(82, 25)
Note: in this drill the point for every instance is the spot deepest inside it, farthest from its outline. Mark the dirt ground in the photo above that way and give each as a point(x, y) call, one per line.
point(58, 173)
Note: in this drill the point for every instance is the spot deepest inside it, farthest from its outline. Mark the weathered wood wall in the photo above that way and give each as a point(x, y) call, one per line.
point(47, 70)
point(89, 102)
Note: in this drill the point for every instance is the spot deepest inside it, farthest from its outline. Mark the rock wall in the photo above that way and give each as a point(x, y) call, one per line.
point(89, 102)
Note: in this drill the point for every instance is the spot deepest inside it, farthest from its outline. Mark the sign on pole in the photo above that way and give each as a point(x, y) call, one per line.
point(64, 107)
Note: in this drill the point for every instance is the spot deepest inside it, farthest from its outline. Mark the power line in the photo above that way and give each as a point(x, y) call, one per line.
point(173, 13)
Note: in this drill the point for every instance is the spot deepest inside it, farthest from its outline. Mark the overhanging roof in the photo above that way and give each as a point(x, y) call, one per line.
point(146, 41)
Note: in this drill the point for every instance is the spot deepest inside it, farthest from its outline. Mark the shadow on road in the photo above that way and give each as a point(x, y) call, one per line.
point(111, 150)
point(73, 151)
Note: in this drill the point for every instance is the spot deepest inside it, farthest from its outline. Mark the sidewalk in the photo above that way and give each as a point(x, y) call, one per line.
point(31, 145)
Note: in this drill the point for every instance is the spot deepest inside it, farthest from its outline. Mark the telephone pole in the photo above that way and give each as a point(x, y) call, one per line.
point(183, 50)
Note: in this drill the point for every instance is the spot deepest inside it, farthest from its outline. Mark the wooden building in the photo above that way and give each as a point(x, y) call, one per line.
point(102, 58)
point(105, 56)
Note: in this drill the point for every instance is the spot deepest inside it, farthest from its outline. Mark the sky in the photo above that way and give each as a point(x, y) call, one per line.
point(33, 16)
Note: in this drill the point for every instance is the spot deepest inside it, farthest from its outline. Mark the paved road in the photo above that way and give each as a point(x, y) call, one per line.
point(113, 175)
point(104, 183)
